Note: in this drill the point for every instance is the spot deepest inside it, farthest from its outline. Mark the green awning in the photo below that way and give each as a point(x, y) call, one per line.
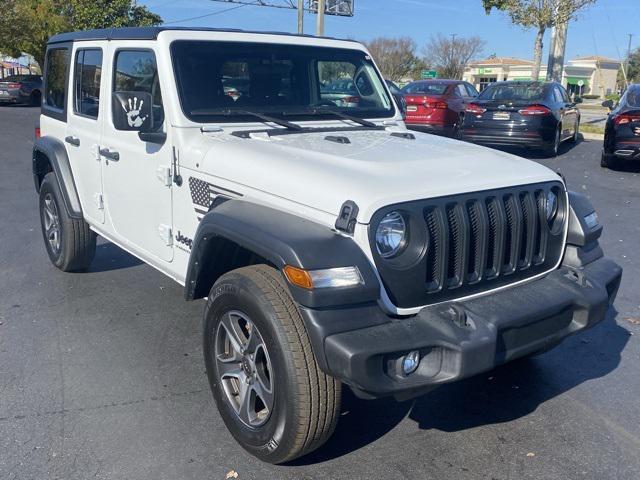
point(575, 80)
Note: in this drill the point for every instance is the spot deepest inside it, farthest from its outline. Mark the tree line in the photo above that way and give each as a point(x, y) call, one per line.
point(25, 25)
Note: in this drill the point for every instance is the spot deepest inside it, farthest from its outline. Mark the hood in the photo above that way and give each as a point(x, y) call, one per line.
point(374, 170)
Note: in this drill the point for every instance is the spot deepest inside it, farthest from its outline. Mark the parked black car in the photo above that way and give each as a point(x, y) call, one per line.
point(529, 114)
point(622, 131)
point(21, 89)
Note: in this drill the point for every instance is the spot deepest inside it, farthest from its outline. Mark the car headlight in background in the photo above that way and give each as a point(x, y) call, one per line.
point(391, 235)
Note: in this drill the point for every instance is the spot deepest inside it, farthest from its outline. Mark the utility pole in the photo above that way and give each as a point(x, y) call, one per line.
point(300, 17)
point(558, 52)
point(320, 24)
point(626, 63)
point(551, 61)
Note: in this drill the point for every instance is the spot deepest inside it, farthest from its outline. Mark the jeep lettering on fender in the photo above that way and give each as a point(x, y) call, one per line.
point(333, 247)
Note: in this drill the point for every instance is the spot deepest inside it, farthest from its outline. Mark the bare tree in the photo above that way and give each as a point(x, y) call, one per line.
point(396, 57)
point(541, 15)
point(450, 55)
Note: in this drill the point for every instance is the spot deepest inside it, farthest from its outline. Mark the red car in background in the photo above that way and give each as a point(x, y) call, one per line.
point(437, 106)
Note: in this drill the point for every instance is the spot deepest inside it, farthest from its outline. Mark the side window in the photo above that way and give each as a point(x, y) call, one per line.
point(86, 86)
point(557, 95)
point(564, 94)
point(461, 90)
point(137, 71)
point(57, 70)
point(471, 91)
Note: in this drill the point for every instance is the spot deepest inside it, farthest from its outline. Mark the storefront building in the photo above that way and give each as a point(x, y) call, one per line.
point(591, 75)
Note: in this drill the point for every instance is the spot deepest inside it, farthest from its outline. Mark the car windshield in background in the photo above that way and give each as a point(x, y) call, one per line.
point(632, 97)
point(514, 93)
point(230, 81)
point(424, 88)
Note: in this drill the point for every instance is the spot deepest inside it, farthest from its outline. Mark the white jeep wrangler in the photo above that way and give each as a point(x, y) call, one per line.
point(272, 174)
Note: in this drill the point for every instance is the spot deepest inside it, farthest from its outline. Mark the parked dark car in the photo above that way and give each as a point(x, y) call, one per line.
point(622, 131)
point(21, 89)
point(528, 114)
point(437, 106)
point(398, 96)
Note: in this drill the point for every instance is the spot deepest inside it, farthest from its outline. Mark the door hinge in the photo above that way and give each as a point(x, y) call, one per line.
point(165, 234)
point(98, 200)
point(164, 175)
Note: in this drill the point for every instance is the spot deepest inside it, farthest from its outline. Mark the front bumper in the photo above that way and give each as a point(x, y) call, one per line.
point(459, 339)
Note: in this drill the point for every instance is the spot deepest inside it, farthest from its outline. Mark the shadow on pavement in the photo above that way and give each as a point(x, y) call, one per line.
point(111, 257)
point(507, 393)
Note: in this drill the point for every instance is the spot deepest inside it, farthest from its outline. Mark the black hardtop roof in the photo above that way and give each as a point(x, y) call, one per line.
point(151, 33)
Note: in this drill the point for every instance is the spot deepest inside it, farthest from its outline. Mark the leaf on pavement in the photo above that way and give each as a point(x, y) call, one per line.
point(231, 474)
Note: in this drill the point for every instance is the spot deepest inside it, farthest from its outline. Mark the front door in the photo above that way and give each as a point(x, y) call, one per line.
point(84, 128)
point(137, 194)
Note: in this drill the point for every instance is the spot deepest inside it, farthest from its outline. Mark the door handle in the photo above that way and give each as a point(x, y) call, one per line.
point(75, 141)
point(105, 152)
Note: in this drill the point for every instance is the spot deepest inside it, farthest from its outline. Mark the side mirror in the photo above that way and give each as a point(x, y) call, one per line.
point(132, 111)
point(608, 104)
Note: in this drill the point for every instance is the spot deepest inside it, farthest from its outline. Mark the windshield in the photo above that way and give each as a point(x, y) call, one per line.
point(425, 88)
point(223, 81)
point(517, 92)
point(632, 97)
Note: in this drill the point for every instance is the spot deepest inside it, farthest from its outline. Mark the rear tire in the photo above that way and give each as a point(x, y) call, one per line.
point(551, 150)
point(305, 403)
point(70, 243)
point(35, 99)
point(607, 161)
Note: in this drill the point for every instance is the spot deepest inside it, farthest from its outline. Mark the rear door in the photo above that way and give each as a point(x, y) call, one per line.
point(569, 112)
point(84, 126)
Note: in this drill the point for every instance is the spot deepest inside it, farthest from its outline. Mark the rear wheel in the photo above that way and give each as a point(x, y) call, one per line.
point(607, 161)
point(552, 149)
point(457, 128)
point(270, 392)
point(35, 98)
point(576, 132)
point(70, 244)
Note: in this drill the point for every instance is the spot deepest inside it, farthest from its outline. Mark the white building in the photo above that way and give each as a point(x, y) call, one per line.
point(593, 75)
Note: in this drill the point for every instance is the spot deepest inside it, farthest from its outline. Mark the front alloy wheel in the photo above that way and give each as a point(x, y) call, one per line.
point(51, 222)
point(244, 368)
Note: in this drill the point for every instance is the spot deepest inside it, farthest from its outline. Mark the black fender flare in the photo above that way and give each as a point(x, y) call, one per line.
point(282, 239)
point(56, 156)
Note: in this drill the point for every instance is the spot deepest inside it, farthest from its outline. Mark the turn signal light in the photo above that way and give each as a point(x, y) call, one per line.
point(38, 134)
point(298, 277)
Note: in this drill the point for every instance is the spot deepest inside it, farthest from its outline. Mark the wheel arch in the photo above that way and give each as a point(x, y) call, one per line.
point(239, 233)
point(50, 155)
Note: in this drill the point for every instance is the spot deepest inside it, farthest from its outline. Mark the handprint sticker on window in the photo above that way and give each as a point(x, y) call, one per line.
point(134, 119)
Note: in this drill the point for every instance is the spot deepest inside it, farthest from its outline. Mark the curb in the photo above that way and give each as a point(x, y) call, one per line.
point(592, 136)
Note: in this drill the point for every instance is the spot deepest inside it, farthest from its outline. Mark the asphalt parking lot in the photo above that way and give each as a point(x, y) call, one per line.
point(102, 376)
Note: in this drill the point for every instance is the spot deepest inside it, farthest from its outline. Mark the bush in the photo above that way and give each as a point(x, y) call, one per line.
point(613, 96)
point(591, 97)
point(577, 100)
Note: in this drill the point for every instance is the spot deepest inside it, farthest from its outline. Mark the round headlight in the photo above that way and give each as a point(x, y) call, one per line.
point(391, 235)
point(551, 206)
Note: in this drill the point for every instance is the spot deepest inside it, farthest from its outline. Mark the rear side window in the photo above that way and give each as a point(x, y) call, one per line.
point(87, 76)
point(632, 97)
point(57, 64)
point(471, 91)
point(137, 71)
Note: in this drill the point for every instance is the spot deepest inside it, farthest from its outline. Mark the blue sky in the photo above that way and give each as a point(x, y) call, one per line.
point(601, 29)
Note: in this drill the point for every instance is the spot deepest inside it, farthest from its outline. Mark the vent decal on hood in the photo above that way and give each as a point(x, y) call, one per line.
point(204, 193)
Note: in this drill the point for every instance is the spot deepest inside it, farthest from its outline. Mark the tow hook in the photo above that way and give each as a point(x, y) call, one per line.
point(578, 276)
point(459, 316)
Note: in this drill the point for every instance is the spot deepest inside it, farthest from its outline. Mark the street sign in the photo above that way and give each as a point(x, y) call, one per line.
point(428, 74)
point(581, 83)
point(341, 8)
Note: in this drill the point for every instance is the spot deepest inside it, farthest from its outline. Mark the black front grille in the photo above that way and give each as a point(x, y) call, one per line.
point(474, 242)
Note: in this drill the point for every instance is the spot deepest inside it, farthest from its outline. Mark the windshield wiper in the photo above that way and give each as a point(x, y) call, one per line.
point(268, 118)
point(336, 113)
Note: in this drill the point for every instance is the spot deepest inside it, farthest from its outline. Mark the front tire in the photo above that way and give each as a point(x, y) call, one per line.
point(70, 244)
point(270, 392)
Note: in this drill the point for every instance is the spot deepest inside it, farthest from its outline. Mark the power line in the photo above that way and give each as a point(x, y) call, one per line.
point(218, 12)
